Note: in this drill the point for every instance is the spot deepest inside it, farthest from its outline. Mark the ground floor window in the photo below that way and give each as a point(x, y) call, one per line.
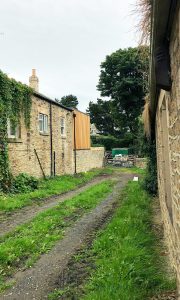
point(13, 130)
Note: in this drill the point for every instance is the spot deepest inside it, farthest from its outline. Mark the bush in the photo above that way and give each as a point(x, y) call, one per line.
point(150, 179)
point(24, 183)
point(110, 142)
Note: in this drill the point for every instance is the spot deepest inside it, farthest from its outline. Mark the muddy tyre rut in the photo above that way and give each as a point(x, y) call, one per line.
point(26, 214)
point(37, 282)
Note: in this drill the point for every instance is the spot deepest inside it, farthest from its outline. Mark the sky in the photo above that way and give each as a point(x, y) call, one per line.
point(65, 41)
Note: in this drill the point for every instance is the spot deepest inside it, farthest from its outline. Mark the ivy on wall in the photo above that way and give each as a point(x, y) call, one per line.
point(15, 101)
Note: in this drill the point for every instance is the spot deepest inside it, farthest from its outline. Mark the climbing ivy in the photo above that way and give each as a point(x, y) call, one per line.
point(15, 101)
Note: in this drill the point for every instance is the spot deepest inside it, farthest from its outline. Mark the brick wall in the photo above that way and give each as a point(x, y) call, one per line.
point(168, 152)
point(89, 159)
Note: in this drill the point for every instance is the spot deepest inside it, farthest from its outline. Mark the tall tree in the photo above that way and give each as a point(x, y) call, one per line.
point(100, 114)
point(123, 78)
point(69, 101)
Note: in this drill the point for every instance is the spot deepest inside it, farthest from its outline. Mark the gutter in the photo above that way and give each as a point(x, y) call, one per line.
point(75, 154)
point(162, 21)
point(43, 97)
point(51, 139)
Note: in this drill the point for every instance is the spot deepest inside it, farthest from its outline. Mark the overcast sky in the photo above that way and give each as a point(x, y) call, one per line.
point(65, 41)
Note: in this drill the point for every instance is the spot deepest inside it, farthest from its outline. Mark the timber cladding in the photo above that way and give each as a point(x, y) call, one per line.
point(82, 131)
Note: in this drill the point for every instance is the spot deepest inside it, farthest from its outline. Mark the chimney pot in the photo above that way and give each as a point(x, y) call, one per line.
point(34, 81)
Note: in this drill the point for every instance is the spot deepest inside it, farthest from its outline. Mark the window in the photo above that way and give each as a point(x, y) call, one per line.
point(13, 130)
point(62, 124)
point(43, 123)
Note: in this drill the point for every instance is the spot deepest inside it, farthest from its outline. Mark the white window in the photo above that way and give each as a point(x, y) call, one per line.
point(62, 126)
point(43, 123)
point(13, 130)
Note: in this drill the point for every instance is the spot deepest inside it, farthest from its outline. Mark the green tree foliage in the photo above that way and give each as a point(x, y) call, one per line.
point(110, 142)
point(100, 114)
point(15, 100)
point(69, 101)
point(123, 79)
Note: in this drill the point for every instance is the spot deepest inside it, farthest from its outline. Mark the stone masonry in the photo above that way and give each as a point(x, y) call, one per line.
point(51, 152)
point(22, 150)
point(89, 159)
point(168, 152)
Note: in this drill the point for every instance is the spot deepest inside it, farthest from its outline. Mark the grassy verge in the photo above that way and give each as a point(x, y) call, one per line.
point(49, 187)
point(23, 246)
point(126, 170)
point(126, 256)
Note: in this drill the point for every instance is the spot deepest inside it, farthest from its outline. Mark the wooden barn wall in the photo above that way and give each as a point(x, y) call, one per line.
point(82, 130)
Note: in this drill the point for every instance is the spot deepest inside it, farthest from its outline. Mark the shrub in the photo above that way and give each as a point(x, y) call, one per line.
point(110, 142)
point(150, 179)
point(24, 183)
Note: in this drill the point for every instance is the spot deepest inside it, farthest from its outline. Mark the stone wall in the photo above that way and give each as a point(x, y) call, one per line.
point(22, 150)
point(140, 162)
point(89, 159)
point(168, 152)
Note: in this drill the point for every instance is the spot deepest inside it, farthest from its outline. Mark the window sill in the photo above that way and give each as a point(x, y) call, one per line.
point(63, 137)
point(15, 140)
point(44, 134)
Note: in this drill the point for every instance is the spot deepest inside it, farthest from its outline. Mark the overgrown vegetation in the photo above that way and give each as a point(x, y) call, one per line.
point(15, 99)
point(24, 183)
point(150, 183)
point(25, 244)
point(110, 142)
point(144, 8)
point(125, 257)
point(127, 253)
point(46, 188)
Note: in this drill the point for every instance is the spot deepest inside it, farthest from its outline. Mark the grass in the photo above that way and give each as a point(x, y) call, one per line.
point(124, 260)
point(49, 187)
point(126, 170)
point(127, 253)
point(24, 245)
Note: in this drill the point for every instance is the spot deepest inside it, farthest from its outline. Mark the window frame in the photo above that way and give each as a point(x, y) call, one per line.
point(16, 134)
point(43, 126)
point(62, 127)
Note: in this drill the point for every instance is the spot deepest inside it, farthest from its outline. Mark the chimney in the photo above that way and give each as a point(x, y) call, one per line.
point(34, 81)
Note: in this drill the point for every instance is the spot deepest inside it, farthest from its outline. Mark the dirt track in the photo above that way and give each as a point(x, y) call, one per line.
point(27, 213)
point(37, 282)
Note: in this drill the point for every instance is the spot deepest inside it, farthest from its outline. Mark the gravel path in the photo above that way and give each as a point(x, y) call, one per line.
point(37, 282)
point(26, 214)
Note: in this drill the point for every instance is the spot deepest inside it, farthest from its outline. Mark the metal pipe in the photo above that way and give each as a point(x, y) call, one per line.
point(51, 139)
point(54, 163)
point(75, 158)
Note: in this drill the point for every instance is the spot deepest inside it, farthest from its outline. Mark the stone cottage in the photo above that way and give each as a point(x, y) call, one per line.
point(165, 116)
point(57, 143)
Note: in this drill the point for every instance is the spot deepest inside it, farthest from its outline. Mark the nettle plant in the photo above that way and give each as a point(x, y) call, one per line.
point(15, 102)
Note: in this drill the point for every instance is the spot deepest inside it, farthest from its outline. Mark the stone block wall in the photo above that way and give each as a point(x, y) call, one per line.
point(21, 151)
point(168, 152)
point(141, 163)
point(22, 155)
point(89, 159)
